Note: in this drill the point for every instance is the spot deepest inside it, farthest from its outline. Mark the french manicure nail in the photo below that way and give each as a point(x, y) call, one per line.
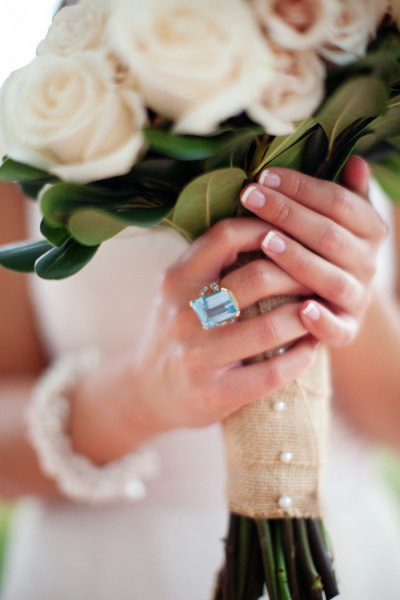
point(273, 243)
point(312, 311)
point(269, 179)
point(253, 198)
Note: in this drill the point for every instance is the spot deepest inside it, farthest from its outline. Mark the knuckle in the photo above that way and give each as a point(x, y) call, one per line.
point(340, 200)
point(274, 378)
point(256, 274)
point(270, 330)
point(340, 289)
point(301, 187)
point(332, 239)
point(224, 231)
point(283, 214)
point(381, 229)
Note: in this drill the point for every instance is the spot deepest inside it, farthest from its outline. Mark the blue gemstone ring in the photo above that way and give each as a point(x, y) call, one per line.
point(215, 306)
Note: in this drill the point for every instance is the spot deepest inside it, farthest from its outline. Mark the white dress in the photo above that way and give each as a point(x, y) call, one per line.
point(170, 545)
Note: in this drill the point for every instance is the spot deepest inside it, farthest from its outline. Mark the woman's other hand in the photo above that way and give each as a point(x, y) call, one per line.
point(326, 237)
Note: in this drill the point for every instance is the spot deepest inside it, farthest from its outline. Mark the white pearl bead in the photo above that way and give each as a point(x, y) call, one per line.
point(280, 405)
point(134, 490)
point(286, 457)
point(285, 501)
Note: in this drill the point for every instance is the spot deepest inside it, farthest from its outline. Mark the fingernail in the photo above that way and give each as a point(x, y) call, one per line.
point(312, 311)
point(269, 179)
point(253, 198)
point(273, 243)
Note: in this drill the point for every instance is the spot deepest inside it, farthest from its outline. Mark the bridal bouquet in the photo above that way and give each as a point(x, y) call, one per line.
point(157, 112)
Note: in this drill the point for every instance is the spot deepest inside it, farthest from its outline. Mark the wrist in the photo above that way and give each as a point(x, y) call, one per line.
point(108, 417)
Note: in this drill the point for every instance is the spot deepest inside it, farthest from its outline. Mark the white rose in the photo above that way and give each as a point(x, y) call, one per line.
point(354, 27)
point(77, 28)
point(295, 24)
point(196, 63)
point(295, 92)
point(66, 115)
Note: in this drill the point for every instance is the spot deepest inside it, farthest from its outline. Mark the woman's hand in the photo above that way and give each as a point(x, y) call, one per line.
point(326, 237)
point(189, 376)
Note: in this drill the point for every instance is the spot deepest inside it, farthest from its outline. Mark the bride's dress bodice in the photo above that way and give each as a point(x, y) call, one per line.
point(170, 544)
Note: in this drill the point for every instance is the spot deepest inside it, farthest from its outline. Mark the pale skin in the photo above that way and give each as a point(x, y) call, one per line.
point(184, 376)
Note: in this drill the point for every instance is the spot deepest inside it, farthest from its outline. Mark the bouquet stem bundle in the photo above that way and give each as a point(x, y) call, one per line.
point(291, 557)
point(269, 544)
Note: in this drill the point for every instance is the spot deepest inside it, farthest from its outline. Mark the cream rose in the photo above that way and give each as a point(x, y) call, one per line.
point(66, 115)
point(354, 27)
point(196, 63)
point(295, 92)
point(77, 28)
point(296, 24)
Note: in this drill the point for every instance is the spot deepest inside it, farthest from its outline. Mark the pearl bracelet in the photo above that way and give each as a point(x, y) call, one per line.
point(75, 475)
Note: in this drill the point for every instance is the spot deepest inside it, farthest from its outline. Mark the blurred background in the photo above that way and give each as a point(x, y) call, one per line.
point(23, 24)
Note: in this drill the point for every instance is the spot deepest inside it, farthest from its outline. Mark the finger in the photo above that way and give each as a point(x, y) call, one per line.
point(355, 175)
point(327, 280)
point(221, 346)
point(333, 329)
point(244, 384)
point(260, 279)
point(217, 249)
point(329, 199)
point(321, 234)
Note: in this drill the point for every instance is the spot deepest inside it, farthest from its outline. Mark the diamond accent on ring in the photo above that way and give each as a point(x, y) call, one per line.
point(216, 308)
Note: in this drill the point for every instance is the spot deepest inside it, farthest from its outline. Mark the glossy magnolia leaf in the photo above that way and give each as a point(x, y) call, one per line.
point(58, 201)
point(11, 170)
point(23, 255)
point(293, 157)
point(56, 235)
point(208, 199)
point(62, 262)
point(183, 147)
point(147, 216)
point(91, 226)
point(234, 148)
point(282, 143)
point(387, 173)
point(360, 98)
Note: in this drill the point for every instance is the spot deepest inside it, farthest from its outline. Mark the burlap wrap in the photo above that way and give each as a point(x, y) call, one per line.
point(256, 435)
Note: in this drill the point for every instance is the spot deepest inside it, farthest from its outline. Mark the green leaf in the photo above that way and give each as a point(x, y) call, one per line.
point(208, 199)
point(60, 201)
point(282, 143)
point(360, 98)
point(387, 172)
point(22, 256)
point(11, 170)
point(91, 226)
point(62, 262)
point(234, 149)
point(56, 235)
point(183, 147)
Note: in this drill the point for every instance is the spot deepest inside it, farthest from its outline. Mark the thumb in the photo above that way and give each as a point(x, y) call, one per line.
point(355, 175)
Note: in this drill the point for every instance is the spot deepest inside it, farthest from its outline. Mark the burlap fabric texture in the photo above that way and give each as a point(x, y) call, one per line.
point(259, 437)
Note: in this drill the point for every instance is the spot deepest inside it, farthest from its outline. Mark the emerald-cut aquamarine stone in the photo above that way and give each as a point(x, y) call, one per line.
point(215, 308)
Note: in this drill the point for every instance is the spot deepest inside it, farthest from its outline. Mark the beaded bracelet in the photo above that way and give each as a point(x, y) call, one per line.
point(74, 474)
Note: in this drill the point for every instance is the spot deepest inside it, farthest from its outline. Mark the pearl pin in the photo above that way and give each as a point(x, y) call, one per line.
point(280, 405)
point(286, 457)
point(285, 501)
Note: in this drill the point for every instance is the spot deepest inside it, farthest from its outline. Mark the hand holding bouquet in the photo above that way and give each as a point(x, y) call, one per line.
point(158, 112)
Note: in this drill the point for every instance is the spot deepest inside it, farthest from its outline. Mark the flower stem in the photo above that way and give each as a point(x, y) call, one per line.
point(322, 558)
point(268, 557)
point(290, 557)
point(311, 575)
point(283, 583)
